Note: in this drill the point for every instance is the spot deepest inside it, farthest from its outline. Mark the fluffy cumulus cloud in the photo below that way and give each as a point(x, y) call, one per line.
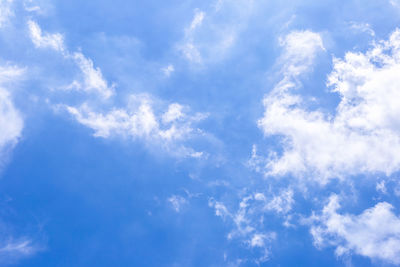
point(375, 233)
point(11, 122)
point(362, 136)
point(139, 120)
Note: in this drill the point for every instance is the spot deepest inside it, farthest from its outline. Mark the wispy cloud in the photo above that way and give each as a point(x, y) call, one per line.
point(53, 41)
point(11, 122)
point(5, 11)
point(92, 77)
point(208, 38)
point(177, 202)
point(168, 70)
point(248, 226)
point(362, 27)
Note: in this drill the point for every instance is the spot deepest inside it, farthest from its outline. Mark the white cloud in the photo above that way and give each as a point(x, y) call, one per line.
point(5, 11)
point(173, 113)
point(18, 248)
point(168, 70)
point(189, 49)
point(395, 3)
point(45, 40)
point(375, 233)
point(197, 21)
point(13, 250)
point(11, 122)
point(364, 134)
point(362, 27)
point(139, 120)
point(212, 33)
point(300, 50)
point(281, 203)
point(381, 187)
point(248, 219)
point(246, 226)
point(30, 6)
point(177, 202)
point(93, 80)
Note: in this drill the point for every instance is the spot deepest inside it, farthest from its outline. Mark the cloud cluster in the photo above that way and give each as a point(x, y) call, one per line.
point(375, 233)
point(363, 136)
point(248, 219)
point(245, 227)
point(139, 120)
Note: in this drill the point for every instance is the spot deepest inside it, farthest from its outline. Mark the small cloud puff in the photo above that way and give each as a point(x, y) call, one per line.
point(177, 202)
point(168, 70)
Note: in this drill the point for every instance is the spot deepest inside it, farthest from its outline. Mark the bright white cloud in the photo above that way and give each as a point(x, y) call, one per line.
point(375, 233)
point(300, 50)
point(93, 80)
point(45, 40)
point(364, 134)
point(173, 113)
point(139, 120)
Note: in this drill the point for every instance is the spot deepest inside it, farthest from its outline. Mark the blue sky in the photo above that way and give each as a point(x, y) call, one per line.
point(199, 133)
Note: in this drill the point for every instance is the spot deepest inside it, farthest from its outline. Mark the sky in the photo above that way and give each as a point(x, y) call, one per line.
point(199, 133)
